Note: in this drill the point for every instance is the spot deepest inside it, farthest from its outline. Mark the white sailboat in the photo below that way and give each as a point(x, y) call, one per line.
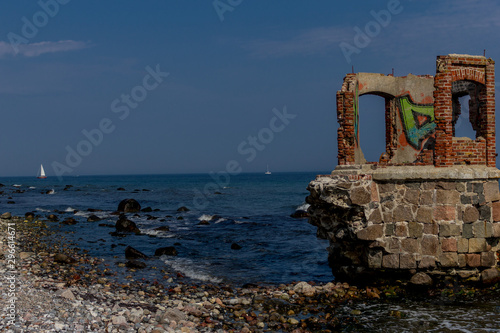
point(42, 173)
point(268, 172)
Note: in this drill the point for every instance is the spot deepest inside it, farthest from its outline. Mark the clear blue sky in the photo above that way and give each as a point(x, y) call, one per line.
point(225, 78)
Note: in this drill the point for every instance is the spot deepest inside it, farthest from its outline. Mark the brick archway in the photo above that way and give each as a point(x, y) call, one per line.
point(453, 68)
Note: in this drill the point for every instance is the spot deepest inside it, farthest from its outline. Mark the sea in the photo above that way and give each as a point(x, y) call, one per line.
point(251, 210)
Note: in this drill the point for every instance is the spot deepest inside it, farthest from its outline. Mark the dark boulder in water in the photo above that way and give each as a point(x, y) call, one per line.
point(180, 218)
point(235, 246)
point(93, 210)
point(135, 264)
point(69, 221)
point(299, 214)
point(147, 210)
point(204, 222)
point(29, 216)
point(11, 202)
point(163, 228)
point(131, 253)
point(108, 225)
point(183, 209)
point(120, 189)
point(52, 218)
point(124, 224)
point(129, 206)
point(6, 216)
point(168, 251)
point(93, 218)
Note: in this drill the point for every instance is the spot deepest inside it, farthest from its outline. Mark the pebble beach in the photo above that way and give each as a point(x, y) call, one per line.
point(60, 289)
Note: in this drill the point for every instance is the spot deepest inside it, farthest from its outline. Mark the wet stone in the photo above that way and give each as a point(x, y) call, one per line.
point(473, 260)
point(467, 231)
point(482, 229)
point(449, 229)
point(471, 214)
point(390, 261)
point(488, 259)
point(429, 245)
point(415, 229)
point(427, 262)
point(485, 212)
point(407, 261)
point(389, 229)
point(448, 259)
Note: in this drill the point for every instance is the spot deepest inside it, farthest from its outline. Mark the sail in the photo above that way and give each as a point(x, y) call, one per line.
point(42, 172)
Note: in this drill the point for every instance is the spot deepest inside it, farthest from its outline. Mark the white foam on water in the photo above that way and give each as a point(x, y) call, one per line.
point(206, 217)
point(51, 192)
point(189, 269)
point(32, 187)
point(42, 210)
point(151, 232)
point(220, 220)
point(69, 209)
point(303, 207)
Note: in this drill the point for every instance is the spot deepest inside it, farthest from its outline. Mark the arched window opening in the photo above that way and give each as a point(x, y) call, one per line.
point(466, 109)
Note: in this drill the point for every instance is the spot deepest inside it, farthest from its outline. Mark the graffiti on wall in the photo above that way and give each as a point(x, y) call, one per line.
point(418, 120)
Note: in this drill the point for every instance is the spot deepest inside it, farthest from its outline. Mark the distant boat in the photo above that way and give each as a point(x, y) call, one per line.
point(42, 173)
point(268, 172)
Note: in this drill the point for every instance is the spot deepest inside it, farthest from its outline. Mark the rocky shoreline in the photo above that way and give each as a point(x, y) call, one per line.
point(61, 289)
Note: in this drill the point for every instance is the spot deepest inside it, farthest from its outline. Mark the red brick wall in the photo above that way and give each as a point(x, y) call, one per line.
point(453, 68)
point(470, 152)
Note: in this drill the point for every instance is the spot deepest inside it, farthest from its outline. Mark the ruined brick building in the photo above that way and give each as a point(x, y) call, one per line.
point(431, 205)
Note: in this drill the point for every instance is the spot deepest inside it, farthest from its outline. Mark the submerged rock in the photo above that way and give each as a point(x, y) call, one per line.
point(129, 206)
point(299, 214)
point(147, 210)
point(69, 221)
point(168, 251)
point(52, 218)
point(64, 259)
point(183, 209)
point(93, 218)
point(135, 264)
point(124, 224)
point(131, 253)
point(235, 246)
point(29, 216)
point(163, 228)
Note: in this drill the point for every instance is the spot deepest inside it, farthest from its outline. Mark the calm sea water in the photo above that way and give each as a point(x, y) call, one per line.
point(252, 210)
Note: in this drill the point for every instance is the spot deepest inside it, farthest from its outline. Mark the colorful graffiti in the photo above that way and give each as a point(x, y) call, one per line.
point(418, 120)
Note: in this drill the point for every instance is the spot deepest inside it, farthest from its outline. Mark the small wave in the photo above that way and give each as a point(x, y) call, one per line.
point(206, 217)
point(42, 210)
point(51, 191)
point(303, 207)
point(220, 220)
point(69, 209)
point(17, 185)
point(32, 187)
point(187, 268)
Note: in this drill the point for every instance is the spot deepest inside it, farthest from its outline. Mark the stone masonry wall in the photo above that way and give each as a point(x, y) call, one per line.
point(447, 227)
